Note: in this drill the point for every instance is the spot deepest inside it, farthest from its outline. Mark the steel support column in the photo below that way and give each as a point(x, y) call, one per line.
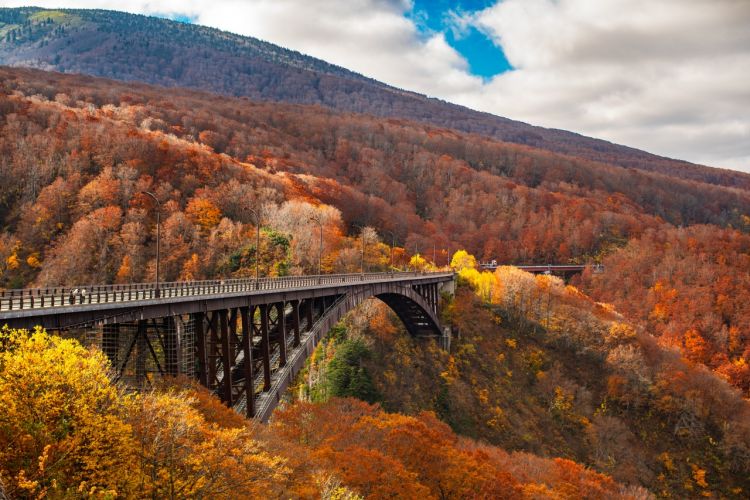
point(295, 322)
point(171, 359)
point(309, 311)
point(200, 347)
point(247, 350)
point(281, 332)
point(111, 343)
point(140, 354)
point(226, 358)
point(265, 346)
point(212, 355)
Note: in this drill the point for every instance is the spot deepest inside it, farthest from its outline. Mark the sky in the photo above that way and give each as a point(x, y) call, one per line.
point(671, 77)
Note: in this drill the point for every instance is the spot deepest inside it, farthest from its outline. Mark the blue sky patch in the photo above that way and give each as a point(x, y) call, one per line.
point(484, 57)
point(176, 16)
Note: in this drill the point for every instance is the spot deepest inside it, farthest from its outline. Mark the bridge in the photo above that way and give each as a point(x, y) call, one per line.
point(245, 339)
point(560, 269)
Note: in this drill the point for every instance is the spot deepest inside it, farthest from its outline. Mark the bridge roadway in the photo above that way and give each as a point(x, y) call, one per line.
point(244, 339)
point(564, 269)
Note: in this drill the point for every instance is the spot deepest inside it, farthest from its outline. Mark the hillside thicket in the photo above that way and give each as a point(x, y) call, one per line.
point(77, 152)
point(67, 431)
point(538, 366)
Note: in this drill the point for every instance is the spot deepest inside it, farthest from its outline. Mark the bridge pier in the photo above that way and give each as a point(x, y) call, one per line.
point(265, 347)
point(248, 361)
point(295, 322)
point(280, 329)
point(225, 356)
point(140, 352)
point(111, 343)
point(170, 337)
point(198, 319)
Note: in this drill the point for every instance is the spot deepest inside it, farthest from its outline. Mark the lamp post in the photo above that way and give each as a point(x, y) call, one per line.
point(393, 244)
point(362, 235)
point(257, 244)
point(362, 266)
point(158, 242)
point(320, 250)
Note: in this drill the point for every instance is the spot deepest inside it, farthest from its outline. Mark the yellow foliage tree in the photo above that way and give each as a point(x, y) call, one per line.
point(419, 263)
point(463, 260)
point(203, 212)
point(125, 272)
point(191, 268)
point(62, 426)
point(67, 431)
point(183, 456)
point(620, 333)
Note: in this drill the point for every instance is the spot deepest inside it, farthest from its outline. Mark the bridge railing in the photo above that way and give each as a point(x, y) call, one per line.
point(37, 298)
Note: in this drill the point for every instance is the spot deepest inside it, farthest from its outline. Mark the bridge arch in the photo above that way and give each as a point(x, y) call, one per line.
point(417, 311)
point(418, 315)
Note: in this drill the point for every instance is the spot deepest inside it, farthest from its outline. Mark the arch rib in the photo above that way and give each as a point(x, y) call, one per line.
point(414, 310)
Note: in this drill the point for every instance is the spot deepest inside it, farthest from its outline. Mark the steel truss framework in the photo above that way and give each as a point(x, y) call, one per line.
point(248, 351)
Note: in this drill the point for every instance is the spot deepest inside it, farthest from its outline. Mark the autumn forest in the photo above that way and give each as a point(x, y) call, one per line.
point(632, 382)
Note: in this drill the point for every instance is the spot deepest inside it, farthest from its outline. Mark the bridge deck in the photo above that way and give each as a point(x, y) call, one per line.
point(96, 300)
point(546, 268)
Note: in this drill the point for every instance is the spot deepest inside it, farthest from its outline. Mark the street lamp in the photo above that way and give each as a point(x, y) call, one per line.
point(257, 244)
point(393, 244)
point(320, 250)
point(362, 262)
point(158, 243)
point(362, 266)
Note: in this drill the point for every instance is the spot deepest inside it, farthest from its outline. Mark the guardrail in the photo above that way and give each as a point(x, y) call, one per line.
point(544, 267)
point(38, 298)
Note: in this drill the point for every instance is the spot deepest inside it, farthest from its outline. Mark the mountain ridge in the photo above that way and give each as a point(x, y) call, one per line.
point(153, 50)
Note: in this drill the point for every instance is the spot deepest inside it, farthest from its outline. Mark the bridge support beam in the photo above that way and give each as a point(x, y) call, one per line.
point(226, 358)
point(140, 351)
point(171, 349)
point(309, 310)
point(281, 331)
point(295, 322)
point(111, 343)
point(200, 347)
point(247, 351)
point(212, 355)
point(265, 347)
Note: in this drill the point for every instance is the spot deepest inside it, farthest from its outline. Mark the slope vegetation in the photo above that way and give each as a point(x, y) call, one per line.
point(131, 47)
point(77, 151)
point(538, 366)
point(72, 145)
point(69, 432)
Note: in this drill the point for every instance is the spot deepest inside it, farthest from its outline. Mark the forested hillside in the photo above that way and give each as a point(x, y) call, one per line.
point(689, 287)
point(77, 151)
point(131, 47)
point(540, 367)
point(91, 439)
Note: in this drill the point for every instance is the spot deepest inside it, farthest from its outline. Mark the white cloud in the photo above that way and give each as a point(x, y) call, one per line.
point(670, 77)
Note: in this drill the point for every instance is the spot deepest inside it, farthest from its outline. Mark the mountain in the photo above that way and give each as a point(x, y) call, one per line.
point(77, 150)
point(138, 48)
point(641, 372)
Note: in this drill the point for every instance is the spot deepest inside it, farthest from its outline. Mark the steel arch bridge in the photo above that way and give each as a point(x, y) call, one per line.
point(245, 339)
